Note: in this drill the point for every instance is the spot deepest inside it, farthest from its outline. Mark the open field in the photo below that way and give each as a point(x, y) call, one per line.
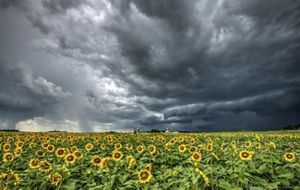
point(150, 161)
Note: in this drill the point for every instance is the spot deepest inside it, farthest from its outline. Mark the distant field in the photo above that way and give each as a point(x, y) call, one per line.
point(96, 161)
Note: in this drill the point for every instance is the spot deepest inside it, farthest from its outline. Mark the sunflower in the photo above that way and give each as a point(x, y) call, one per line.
point(247, 144)
point(7, 157)
point(33, 163)
point(192, 149)
point(74, 148)
point(32, 145)
point(11, 177)
point(144, 176)
point(70, 158)
point(289, 156)
point(89, 146)
point(102, 147)
point(272, 145)
point(45, 145)
point(19, 144)
point(140, 149)
point(152, 149)
point(118, 146)
point(182, 148)
point(246, 155)
point(104, 164)
point(209, 146)
point(96, 161)
point(6, 147)
point(45, 166)
point(132, 163)
point(40, 153)
point(196, 156)
point(60, 152)
point(50, 148)
point(55, 178)
point(77, 154)
point(257, 145)
point(18, 152)
point(128, 146)
point(117, 155)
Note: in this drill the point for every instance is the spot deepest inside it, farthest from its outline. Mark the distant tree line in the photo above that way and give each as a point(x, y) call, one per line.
point(292, 127)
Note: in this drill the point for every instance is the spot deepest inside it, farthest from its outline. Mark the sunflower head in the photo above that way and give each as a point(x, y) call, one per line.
point(117, 155)
point(128, 146)
point(246, 155)
point(247, 144)
point(118, 146)
point(96, 161)
point(196, 156)
point(34, 163)
point(144, 176)
point(11, 177)
point(89, 146)
point(140, 149)
point(182, 148)
point(7, 157)
point(70, 158)
point(60, 152)
point(289, 156)
point(45, 166)
point(55, 178)
point(152, 149)
point(148, 167)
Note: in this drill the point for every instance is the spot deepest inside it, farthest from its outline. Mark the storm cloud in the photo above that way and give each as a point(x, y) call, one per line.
point(199, 65)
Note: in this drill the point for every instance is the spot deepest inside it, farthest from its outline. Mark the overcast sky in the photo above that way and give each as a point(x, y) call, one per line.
point(102, 65)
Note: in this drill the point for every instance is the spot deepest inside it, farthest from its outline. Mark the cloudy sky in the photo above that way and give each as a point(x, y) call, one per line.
point(101, 65)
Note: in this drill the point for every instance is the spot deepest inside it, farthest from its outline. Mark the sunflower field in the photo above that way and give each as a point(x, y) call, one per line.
point(121, 161)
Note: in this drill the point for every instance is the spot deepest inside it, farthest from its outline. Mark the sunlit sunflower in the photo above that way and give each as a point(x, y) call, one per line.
point(132, 163)
point(18, 152)
point(196, 156)
point(32, 145)
point(104, 163)
point(257, 145)
point(33, 163)
point(96, 161)
point(74, 148)
point(50, 148)
point(140, 149)
point(182, 148)
point(11, 177)
point(40, 153)
point(102, 147)
point(60, 152)
point(192, 149)
point(117, 155)
point(7, 157)
point(19, 144)
point(247, 144)
point(289, 156)
point(144, 176)
point(70, 158)
point(272, 145)
point(128, 146)
point(209, 147)
point(78, 154)
point(246, 155)
point(45, 166)
point(152, 149)
point(55, 178)
point(118, 146)
point(89, 146)
point(45, 145)
point(6, 147)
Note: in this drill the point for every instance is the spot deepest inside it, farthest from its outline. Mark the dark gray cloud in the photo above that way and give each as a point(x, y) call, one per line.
point(184, 65)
